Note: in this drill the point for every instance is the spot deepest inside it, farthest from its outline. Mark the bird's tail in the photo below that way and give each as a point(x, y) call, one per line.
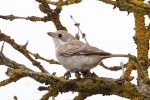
point(117, 55)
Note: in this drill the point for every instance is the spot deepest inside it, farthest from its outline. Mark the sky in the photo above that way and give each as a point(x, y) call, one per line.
point(105, 28)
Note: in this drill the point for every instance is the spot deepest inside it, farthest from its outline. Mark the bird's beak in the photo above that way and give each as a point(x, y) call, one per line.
point(51, 34)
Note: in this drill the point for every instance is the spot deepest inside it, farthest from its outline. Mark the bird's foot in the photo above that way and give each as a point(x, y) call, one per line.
point(85, 73)
point(88, 74)
point(67, 75)
point(77, 74)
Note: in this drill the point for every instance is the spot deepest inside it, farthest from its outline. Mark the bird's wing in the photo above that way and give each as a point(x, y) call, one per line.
point(79, 48)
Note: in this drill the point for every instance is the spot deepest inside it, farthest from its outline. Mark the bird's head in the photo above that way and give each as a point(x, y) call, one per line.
point(60, 37)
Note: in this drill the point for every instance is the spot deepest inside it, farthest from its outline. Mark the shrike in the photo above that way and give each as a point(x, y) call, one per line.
point(76, 55)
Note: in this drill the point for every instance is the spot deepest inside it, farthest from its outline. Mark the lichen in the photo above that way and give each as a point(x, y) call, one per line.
point(98, 79)
point(62, 79)
point(85, 86)
point(141, 39)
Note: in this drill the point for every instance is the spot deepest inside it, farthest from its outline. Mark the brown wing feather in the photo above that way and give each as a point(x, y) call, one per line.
point(90, 50)
point(77, 47)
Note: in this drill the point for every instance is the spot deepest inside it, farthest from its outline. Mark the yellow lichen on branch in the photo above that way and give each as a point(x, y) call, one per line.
point(129, 68)
point(141, 39)
point(134, 6)
point(92, 84)
point(97, 85)
point(140, 3)
point(51, 93)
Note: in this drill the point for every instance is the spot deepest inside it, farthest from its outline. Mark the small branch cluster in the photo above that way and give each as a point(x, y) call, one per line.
point(51, 15)
point(83, 34)
point(134, 6)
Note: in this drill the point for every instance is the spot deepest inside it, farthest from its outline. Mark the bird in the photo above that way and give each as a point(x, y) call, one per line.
point(75, 55)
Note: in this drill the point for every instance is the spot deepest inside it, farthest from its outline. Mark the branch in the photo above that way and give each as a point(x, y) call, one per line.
point(12, 17)
point(8, 81)
point(140, 4)
point(52, 15)
point(82, 96)
point(77, 25)
point(2, 47)
point(121, 64)
point(37, 56)
point(62, 2)
point(22, 49)
point(141, 67)
point(15, 98)
point(130, 6)
point(31, 18)
point(52, 92)
point(114, 68)
point(92, 86)
point(16, 69)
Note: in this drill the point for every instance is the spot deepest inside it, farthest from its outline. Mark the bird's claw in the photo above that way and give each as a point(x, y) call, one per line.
point(67, 75)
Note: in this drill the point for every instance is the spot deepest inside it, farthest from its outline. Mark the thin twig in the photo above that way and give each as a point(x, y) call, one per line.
point(63, 2)
point(121, 64)
point(37, 56)
point(2, 47)
point(15, 98)
point(11, 17)
point(114, 68)
point(53, 98)
point(77, 25)
point(140, 66)
point(77, 36)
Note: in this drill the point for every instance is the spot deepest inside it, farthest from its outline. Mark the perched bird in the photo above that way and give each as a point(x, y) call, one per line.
point(76, 55)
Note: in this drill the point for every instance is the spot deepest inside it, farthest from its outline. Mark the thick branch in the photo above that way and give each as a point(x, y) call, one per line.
point(141, 39)
point(96, 85)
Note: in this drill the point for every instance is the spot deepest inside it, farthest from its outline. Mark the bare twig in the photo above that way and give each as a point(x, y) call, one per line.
point(114, 68)
point(63, 2)
point(77, 25)
point(140, 66)
point(77, 36)
point(53, 98)
point(31, 18)
point(11, 17)
point(121, 64)
point(2, 47)
point(15, 98)
point(37, 56)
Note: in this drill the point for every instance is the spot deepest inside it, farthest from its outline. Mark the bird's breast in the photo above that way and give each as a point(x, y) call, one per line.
point(81, 62)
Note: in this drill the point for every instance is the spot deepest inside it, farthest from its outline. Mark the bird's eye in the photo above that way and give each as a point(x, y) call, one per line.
point(59, 35)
